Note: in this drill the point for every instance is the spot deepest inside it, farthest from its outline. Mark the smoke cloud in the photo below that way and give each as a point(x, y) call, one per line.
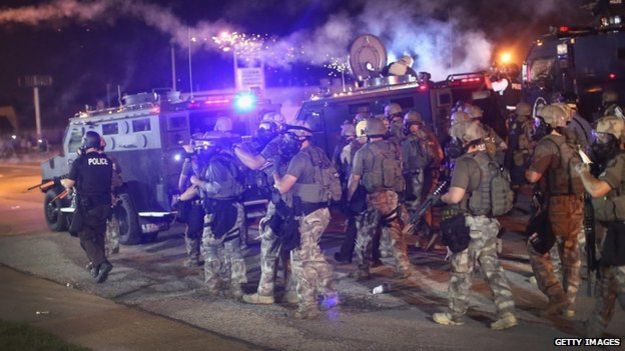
point(442, 36)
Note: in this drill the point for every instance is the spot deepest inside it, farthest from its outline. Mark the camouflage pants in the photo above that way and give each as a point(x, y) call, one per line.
point(415, 185)
point(482, 251)
point(111, 238)
point(382, 210)
point(223, 259)
point(269, 258)
point(610, 288)
point(193, 231)
point(565, 215)
point(310, 269)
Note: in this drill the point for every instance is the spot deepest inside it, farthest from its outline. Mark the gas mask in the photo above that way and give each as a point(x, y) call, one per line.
point(454, 148)
point(541, 129)
point(604, 148)
point(290, 145)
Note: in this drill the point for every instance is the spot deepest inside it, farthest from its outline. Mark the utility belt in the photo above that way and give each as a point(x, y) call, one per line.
point(307, 208)
point(212, 204)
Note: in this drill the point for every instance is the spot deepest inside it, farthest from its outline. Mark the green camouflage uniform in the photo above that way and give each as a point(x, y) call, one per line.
point(482, 250)
point(111, 239)
point(565, 215)
point(383, 208)
point(310, 269)
point(223, 260)
point(222, 255)
point(268, 251)
point(611, 286)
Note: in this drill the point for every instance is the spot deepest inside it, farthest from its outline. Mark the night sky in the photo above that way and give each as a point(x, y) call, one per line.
point(83, 56)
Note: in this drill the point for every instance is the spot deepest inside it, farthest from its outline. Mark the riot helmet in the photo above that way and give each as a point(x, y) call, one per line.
point(555, 115)
point(609, 97)
point(91, 140)
point(392, 109)
point(608, 139)
point(348, 130)
point(467, 132)
point(375, 128)
point(274, 117)
point(360, 129)
point(474, 111)
point(223, 124)
point(459, 116)
point(523, 109)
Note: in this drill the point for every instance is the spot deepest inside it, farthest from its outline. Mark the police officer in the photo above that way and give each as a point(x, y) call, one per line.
point(355, 209)
point(421, 161)
point(221, 188)
point(609, 104)
point(348, 134)
point(270, 159)
point(467, 182)
point(394, 115)
point(609, 206)
point(377, 166)
point(307, 185)
point(552, 166)
point(91, 175)
point(494, 144)
point(192, 205)
point(520, 140)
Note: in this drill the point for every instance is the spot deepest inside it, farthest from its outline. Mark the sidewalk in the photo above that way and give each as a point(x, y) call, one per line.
point(97, 323)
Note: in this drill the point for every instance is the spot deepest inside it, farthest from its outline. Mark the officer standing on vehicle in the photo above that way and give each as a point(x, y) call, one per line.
point(311, 183)
point(191, 205)
point(609, 208)
point(348, 134)
point(467, 188)
point(377, 166)
point(552, 166)
point(221, 188)
point(91, 175)
point(270, 159)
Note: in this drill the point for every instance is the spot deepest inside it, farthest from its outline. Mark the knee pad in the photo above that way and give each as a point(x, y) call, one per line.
point(389, 219)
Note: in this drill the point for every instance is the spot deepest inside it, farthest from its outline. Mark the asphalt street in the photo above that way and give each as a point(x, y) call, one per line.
point(151, 278)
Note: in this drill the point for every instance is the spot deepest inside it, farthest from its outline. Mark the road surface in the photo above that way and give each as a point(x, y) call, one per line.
point(152, 278)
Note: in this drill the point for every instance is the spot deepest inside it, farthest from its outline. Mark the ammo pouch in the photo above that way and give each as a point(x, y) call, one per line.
point(613, 251)
point(285, 226)
point(224, 215)
point(455, 233)
point(609, 209)
point(195, 217)
point(358, 203)
point(539, 231)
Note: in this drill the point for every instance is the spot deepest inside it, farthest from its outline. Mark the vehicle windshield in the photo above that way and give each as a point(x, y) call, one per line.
point(541, 69)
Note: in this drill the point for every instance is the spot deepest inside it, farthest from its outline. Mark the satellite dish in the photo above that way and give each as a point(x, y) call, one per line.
point(367, 56)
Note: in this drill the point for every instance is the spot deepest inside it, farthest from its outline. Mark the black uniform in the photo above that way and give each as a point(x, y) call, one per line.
point(92, 173)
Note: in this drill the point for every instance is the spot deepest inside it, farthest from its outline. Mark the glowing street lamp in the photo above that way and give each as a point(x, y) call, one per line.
point(505, 57)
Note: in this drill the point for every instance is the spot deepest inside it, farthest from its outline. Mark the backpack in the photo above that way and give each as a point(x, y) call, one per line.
point(386, 173)
point(221, 169)
point(565, 172)
point(494, 196)
point(326, 184)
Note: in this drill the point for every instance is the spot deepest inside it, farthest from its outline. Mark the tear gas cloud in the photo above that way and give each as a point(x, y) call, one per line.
point(442, 36)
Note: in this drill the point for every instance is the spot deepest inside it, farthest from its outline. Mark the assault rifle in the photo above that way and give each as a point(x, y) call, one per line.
point(431, 200)
point(48, 184)
point(589, 232)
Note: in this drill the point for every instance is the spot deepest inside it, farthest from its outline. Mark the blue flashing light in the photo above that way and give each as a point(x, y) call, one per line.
point(245, 102)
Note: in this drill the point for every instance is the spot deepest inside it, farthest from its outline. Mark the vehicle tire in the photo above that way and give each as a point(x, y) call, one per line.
point(55, 219)
point(129, 228)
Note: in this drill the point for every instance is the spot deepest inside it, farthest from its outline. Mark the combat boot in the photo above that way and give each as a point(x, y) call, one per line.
point(445, 318)
point(235, 291)
point(555, 308)
point(360, 274)
point(290, 297)
point(507, 320)
point(103, 272)
point(306, 313)
point(257, 299)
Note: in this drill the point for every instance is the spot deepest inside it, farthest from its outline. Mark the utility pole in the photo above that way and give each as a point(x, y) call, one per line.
point(36, 82)
point(189, 39)
point(173, 67)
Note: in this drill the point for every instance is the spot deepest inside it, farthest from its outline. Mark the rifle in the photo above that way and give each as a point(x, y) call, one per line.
point(47, 184)
point(416, 217)
point(589, 232)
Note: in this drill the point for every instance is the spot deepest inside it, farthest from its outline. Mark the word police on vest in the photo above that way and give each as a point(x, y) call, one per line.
point(587, 342)
point(98, 161)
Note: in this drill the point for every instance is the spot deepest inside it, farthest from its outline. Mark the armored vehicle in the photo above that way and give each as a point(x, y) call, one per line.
point(579, 63)
point(144, 136)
